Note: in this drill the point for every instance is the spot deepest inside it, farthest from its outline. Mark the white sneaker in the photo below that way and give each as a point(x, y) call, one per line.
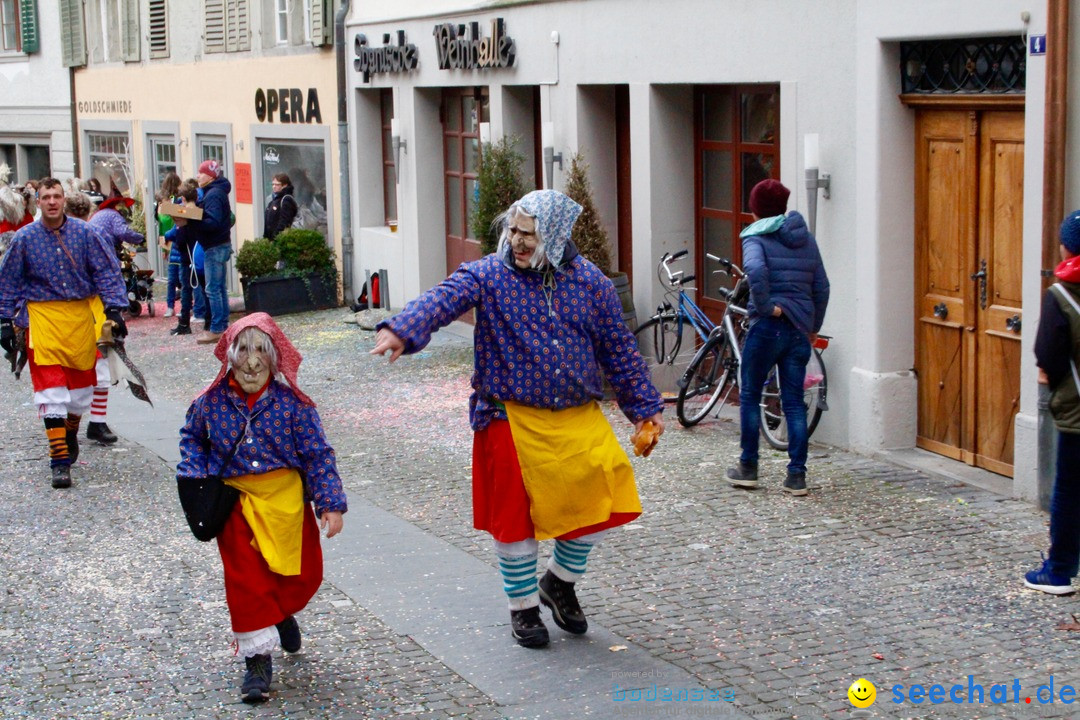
point(169, 313)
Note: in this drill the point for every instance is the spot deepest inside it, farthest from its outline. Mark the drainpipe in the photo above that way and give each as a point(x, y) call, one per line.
point(343, 154)
point(74, 125)
point(1053, 209)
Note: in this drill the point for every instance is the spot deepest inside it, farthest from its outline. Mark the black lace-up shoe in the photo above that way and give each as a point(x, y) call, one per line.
point(527, 628)
point(743, 475)
point(73, 446)
point(100, 432)
point(61, 476)
point(559, 595)
point(795, 484)
point(181, 329)
point(260, 671)
point(289, 632)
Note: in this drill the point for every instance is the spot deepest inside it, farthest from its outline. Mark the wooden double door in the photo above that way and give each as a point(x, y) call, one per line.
point(969, 174)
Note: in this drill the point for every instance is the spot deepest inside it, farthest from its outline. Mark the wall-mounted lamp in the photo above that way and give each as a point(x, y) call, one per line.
point(547, 141)
point(239, 144)
point(397, 145)
point(814, 179)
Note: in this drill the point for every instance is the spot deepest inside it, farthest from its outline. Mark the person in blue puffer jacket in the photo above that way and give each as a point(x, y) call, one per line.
point(789, 292)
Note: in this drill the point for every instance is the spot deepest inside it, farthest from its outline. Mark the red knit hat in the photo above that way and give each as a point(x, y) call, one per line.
point(210, 167)
point(769, 198)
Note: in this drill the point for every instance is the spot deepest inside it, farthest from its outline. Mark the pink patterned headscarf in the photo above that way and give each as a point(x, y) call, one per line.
point(289, 357)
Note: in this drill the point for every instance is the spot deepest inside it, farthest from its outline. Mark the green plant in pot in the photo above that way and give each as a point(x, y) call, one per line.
point(498, 186)
point(296, 255)
point(590, 236)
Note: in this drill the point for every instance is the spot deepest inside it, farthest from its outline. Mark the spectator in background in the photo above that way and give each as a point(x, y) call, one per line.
point(213, 233)
point(111, 222)
point(184, 243)
point(93, 189)
point(281, 209)
point(169, 252)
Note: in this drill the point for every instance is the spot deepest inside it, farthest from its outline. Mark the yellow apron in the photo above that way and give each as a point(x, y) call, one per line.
point(273, 506)
point(575, 472)
point(62, 333)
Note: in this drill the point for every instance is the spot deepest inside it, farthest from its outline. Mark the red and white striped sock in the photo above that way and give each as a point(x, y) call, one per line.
point(100, 404)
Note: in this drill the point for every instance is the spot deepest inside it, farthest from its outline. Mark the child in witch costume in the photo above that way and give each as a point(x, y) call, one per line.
point(270, 544)
point(546, 463)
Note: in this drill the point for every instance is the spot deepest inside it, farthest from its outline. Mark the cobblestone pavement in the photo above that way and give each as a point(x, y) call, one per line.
point(110, 609)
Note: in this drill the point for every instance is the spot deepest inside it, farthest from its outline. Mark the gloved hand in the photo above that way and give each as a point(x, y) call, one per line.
point(7, 334)
point(117, 316)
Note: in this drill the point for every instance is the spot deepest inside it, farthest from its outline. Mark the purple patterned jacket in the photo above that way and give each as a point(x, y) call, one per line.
point(540, 347)
point(36, 267)
point(282, 433)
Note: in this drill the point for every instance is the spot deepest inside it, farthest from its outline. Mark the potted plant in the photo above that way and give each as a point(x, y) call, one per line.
point(592, 239)
point(498, 186)
point(293, 272)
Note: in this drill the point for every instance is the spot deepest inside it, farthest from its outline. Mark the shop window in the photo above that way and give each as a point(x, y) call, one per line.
point(737, 144)
point(226, 26)
point(305, 164)
point(26, 161)
point(386, 100)
point(110, 160)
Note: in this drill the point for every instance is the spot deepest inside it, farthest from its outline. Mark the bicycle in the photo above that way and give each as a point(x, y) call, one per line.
point(660, 338)
point(713, 374)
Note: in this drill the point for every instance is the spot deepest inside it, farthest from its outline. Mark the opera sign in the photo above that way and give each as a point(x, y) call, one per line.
point(291, 105)
point(388, 58)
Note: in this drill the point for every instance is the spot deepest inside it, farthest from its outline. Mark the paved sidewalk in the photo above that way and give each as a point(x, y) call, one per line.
point(779, 603)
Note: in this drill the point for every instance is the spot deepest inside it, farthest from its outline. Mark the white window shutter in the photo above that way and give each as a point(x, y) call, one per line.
point(214, 26)
point(159, 29)
point(72, 33)
point(322, 22)
point(237, 27)
point(130, 42)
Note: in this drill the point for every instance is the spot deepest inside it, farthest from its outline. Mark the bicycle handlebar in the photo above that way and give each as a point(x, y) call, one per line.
point(681, 253)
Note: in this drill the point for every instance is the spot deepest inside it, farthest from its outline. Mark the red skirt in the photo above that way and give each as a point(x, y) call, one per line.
point(500, 503)
point(257, 596)
point(49, 376)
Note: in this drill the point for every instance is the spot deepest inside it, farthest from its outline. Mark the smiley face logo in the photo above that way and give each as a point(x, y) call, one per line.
point(862, 693)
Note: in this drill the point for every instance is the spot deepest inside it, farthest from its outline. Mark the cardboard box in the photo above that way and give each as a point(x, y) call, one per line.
point(187, 212)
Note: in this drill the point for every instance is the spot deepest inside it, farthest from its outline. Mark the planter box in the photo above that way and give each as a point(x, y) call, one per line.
point(284, 295)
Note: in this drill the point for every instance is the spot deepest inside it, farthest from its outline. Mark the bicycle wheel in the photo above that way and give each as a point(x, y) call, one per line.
point(709, 379)
point(773, 423)
point(661, 345)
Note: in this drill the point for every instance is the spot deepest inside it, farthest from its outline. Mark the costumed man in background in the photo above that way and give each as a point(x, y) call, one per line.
point(78, 205)
point(546, 463)
point(58, 266)
point(270, 544)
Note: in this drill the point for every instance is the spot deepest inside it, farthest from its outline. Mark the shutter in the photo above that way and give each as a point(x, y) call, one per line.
point(159, 29)
point(28, 25)
point(130, 45)
point(237, 32)
point(322, 22)
point(72, 33)
point(214, 26)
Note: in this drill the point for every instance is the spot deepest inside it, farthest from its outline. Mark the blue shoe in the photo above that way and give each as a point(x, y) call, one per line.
point(289, 633)
point(1046, 581)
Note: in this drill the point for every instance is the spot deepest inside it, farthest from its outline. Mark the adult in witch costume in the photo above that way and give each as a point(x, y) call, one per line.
point(546, 463)
point(282, 463)
point(61, 269)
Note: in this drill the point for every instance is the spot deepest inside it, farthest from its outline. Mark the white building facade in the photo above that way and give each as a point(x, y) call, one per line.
point(35, 93)
point(679, 107)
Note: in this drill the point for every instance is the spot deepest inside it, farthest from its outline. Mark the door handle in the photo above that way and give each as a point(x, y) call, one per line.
point(941, 311)
point(980, 277)
point(1013, 323)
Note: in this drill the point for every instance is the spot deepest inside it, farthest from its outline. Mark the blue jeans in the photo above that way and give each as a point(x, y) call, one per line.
point(217, 258)
point(1064, 552)
point(198, 291)
point(774, 341)
point(174, 283)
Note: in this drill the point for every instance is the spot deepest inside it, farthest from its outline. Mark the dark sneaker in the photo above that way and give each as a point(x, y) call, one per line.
point(181, 329)
point(743, 475)
point(289, 632)
point(1046, 581)
point(527, 628)
point(559, 595)
point(256, 687)
point(101, 433)
point(795, 484)
point(61, 476)
point(73, 446)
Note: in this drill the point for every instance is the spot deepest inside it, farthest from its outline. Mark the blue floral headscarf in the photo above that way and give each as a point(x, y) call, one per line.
point(555, 215)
